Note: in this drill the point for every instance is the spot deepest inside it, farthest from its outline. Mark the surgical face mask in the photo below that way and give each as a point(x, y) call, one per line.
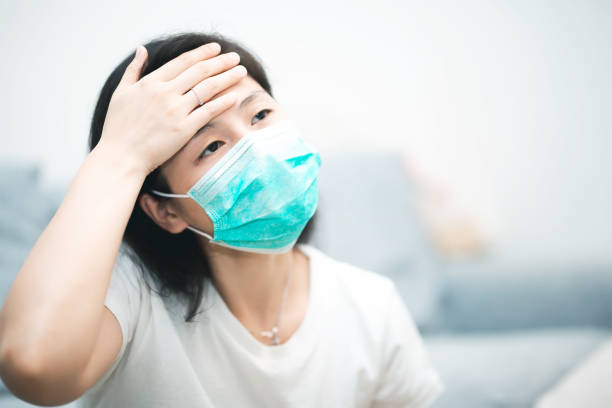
point(262, 192)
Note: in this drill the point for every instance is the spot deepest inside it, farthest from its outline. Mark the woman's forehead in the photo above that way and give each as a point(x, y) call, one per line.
point(243, 87)
point(248, 91)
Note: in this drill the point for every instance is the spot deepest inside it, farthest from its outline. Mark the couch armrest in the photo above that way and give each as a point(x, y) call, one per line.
point(488, 296)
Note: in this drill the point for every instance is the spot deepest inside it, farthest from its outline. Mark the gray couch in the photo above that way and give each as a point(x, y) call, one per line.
point(500, 333)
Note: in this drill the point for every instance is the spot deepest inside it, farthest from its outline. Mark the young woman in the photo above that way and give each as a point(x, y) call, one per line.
point(177, 273)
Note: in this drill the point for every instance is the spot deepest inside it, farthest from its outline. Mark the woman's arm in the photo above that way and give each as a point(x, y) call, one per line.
point(56, 336)
point(53, 314)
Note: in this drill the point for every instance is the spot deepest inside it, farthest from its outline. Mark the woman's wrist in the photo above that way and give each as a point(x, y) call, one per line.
point(119, 161)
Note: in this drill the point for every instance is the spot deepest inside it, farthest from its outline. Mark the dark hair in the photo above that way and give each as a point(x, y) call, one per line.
point(175, 261)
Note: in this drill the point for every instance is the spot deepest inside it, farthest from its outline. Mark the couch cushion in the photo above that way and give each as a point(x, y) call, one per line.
point(499, 295)
point(508, 369)
point(14, 174)
point(367, 216)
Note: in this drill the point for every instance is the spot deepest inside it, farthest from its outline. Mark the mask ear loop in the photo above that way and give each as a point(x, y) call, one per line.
point(200, 232)
point(170, 195)
point(183, 196)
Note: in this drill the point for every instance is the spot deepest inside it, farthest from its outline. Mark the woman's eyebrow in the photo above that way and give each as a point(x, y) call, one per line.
point(246, 101)
point(249, 99)
point(196, 135)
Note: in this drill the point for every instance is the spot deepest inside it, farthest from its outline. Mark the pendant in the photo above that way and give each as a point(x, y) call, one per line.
point(272, 334)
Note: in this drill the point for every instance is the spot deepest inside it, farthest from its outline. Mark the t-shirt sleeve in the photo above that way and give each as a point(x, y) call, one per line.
point(408, 378)
point(124, 299)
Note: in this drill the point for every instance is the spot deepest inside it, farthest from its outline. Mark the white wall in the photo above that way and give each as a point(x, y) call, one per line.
point(507, 102)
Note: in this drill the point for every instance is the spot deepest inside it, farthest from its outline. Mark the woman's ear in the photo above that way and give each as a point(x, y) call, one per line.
point(162, 213)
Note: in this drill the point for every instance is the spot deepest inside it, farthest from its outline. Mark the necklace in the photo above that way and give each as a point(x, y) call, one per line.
point(273, 334)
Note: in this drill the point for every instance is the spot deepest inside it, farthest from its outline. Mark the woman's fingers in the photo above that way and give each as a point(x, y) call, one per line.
point(204, 69)
point(176, 66)
point(203, 114)
point(213, 85)
point(151, 119)
point(134, 68)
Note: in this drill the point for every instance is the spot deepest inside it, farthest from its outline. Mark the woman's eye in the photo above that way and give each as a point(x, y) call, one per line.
point(258, 113)
point(214, 145)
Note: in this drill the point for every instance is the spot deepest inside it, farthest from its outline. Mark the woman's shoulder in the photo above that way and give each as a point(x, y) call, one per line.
point(365, 290)
point(356, 277)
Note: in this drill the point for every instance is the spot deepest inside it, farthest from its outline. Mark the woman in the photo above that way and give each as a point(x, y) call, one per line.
point(177, 273)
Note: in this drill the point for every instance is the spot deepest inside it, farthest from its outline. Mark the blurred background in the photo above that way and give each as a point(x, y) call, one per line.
point(497, 111)
point(505, 103)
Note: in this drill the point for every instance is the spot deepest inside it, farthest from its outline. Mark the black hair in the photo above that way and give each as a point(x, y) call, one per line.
point(175, 261)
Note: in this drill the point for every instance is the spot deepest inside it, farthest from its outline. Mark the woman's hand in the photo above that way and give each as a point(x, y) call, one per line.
point(150, 119)
point(57, 338)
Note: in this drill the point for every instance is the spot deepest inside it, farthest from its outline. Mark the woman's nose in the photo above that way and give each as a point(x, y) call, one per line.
point(237, 132)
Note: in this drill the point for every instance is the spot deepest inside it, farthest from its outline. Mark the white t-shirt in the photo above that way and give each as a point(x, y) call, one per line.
point(357, 346)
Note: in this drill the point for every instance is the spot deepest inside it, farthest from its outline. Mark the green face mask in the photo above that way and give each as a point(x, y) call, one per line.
point(262, 192)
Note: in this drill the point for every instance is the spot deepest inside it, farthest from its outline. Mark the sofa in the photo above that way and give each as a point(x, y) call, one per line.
point(500, 332)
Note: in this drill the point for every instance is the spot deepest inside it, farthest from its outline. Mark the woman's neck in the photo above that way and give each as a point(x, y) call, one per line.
point(252, 284)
